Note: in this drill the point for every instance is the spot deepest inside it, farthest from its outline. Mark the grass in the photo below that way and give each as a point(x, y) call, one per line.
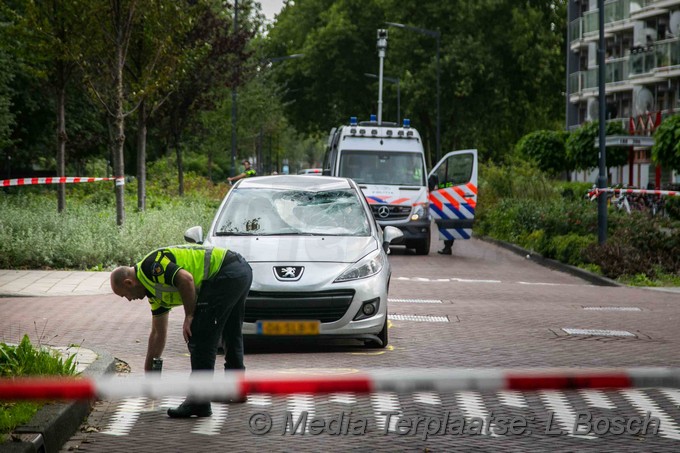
point(25, 359)
point(662, 279)
point(85, 236)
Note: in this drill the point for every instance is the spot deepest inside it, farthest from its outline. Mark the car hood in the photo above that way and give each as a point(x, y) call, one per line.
point(294, 249)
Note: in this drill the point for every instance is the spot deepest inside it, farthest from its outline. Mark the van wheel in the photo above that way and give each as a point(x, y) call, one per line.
point(423, 246)
point(383, 337)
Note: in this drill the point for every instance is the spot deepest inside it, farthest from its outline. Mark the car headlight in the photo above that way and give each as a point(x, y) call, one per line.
point(420, 212)
point(369, 265)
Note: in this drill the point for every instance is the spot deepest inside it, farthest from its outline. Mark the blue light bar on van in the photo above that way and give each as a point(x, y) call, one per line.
point(352, 120)
point(407, 122)
point(374, 118)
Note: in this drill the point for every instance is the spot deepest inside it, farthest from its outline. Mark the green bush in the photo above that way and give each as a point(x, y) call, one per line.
point(570, 248)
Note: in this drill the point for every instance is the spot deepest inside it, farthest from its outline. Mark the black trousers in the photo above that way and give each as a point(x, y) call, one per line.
point(220, 308)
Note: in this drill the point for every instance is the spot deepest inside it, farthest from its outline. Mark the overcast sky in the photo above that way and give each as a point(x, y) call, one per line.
point(271, 7)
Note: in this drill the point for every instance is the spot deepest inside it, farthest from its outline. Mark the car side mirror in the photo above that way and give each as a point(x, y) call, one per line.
point(326, 172)
point(194, 235)
point(391, 234)
point(432, 182)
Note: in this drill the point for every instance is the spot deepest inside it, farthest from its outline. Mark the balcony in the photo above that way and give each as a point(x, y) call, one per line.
point(656, 60)
point(614, 11)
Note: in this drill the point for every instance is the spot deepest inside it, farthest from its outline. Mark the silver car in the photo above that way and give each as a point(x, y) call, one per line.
point(319, 259)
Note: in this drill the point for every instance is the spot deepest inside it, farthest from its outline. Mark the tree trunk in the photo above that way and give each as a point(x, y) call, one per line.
point(119, 139)
point(61, 146)
point(141, 157)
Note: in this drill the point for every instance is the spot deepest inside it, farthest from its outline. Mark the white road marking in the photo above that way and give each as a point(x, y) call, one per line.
point(598, 332)
point(297, 404)
point(343, 398)
point(472, 405)
point(210, 426)
point(386, 402)
point(613, 308)
point(259, 400)
point(563, 415)
point(427, 398)
point(667, 426)
point(512, 398)
point(125, 417)
point(597, 398)
point(415, 301)
point(417, 318)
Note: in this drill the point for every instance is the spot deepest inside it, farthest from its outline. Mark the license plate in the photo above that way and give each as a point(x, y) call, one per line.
point(288, 327)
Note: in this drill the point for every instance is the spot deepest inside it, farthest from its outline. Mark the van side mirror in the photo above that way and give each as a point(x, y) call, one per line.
point(432, 182)
point(326, 172)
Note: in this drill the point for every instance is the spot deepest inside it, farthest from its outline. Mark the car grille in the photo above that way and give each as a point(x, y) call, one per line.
point(396, 212)
point(326, 306)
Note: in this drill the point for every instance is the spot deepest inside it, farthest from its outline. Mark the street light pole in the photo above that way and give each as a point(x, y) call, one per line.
point(602, 179)
point(234, 110)
point(392, 80)
point(437, 36)
point(382, 47)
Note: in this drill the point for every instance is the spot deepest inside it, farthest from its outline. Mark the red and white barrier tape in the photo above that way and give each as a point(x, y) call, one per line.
point(670, 193)
point(234, 385)
point(56, 180)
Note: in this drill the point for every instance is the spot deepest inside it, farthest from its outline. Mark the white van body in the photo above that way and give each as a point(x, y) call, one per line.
point(388, 163)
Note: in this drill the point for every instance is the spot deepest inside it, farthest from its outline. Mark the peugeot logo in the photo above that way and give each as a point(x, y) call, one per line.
point(383, 211)
point(288, 273)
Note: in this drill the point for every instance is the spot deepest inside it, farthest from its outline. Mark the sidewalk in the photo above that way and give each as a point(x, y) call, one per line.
point(53, 283)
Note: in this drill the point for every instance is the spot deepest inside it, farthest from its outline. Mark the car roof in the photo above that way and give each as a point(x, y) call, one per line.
point(296, 182)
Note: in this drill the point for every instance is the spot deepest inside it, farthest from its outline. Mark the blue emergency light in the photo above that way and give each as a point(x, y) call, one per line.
point(373, 118)
point(352, 120)
point(407, 122)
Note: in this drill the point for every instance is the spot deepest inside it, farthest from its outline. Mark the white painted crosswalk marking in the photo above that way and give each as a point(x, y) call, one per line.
point(597, 398)
point(125, 416)
point(386, 402)
point(417, 318)
point(343, 398)
point(472, 405)
point(297, 404)
point(415, 301)
point(672, 394)
point(667, 426)
point(512, 398)
point(260, 400)
point(210, 426)
point(563, 415)
point(427, 398)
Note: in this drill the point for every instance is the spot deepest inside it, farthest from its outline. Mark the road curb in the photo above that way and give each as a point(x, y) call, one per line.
point(554, 264)
point(54, 424)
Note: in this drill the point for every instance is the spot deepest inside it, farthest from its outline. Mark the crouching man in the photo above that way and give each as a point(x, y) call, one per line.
point(211, 284)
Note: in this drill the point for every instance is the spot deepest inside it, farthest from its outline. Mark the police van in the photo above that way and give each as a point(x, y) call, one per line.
point(387, 161)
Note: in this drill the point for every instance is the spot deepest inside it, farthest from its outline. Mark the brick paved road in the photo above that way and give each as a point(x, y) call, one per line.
point(496, 310)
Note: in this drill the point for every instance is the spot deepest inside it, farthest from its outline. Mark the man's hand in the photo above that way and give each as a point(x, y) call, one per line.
point(186, 328)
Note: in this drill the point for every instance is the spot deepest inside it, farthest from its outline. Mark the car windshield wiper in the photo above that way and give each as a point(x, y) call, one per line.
point(233, 233)
point(288, 233)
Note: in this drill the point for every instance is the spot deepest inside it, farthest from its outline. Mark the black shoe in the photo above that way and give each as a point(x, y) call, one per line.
point(444, 251)
point(186, 410)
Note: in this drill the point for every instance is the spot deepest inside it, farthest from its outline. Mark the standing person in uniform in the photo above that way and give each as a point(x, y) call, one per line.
point(448, 243)
point(211, 284)
point(247, 172)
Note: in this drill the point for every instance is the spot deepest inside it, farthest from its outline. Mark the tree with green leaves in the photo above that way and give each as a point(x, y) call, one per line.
point(546, 149)
point(582, 151)
point(666, 149)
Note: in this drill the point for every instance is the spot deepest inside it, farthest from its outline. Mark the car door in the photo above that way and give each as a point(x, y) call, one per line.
point(453, 194)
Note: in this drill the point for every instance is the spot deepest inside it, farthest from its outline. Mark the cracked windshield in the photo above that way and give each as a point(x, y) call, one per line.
point(293, 212)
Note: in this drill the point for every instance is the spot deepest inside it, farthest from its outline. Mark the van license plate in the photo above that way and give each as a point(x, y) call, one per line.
point(288, 327)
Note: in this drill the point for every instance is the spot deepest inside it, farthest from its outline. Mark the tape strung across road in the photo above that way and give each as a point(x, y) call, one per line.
point(57, 180)
point(671, 193)
point(234, 385)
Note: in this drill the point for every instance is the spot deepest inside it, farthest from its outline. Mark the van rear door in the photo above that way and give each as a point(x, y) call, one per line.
point(453, 199)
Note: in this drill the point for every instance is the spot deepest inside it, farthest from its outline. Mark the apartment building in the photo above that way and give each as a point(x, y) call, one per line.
point(642, 58)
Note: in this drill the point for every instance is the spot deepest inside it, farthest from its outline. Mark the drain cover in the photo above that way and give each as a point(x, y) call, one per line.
point(613, 308)
point(419, 318)
point(416, 301)
point(599, 332)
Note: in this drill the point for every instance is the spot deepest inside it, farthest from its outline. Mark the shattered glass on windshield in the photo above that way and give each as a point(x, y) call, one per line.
point(293, 212)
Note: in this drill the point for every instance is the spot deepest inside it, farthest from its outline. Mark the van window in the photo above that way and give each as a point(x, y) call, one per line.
point(380, 167)
point(456, 170)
